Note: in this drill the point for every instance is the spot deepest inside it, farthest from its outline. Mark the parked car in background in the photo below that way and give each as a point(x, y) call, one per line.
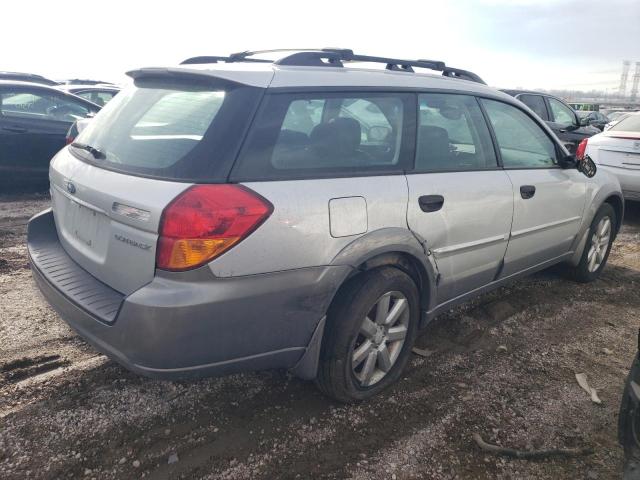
point(34, 120)
point(100, 94)
point(558, 115)
point(595, 119)
point(76, 128)
point(245, 216)
point(617, 150)
point(27, 77)
point(81, 81)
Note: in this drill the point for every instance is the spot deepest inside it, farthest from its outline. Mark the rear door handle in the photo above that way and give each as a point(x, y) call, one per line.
point(15, 129)
point(431, 203)
point(527, 191)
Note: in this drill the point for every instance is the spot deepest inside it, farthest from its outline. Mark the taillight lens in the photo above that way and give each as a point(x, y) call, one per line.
point(582, 147)
point(205, 221)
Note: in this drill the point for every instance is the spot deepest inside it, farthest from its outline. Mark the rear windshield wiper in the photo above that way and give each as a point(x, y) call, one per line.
point(97, 154)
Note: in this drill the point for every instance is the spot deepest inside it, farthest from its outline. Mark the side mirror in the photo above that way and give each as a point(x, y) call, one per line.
point(587, 166)
point(378, 133)
point(584, 122)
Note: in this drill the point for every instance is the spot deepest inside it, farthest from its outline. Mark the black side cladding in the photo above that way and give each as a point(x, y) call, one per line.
point(58, 268)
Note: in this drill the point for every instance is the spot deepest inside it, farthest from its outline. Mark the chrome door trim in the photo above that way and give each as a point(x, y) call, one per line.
point(468, 245)
point(545, 226)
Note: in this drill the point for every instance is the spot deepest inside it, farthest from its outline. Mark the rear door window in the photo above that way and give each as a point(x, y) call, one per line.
point(535, 103)
point(99, 97)
point(452, 134)
point(304, 135)
point(168, 129)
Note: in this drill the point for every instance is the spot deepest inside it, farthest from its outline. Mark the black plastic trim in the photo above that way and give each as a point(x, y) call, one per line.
point(65, 275)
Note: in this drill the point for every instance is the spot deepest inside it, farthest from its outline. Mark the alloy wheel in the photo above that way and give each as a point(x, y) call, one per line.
point(380, 338)
point(599, 244)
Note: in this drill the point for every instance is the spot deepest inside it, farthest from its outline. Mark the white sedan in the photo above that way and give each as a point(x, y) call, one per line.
point(618, 151)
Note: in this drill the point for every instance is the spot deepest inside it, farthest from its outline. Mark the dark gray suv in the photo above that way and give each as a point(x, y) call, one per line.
point(565, 122)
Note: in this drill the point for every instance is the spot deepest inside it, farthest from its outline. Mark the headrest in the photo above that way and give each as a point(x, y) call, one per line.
point(339, 134)
point(433, 134)
point(291, 138)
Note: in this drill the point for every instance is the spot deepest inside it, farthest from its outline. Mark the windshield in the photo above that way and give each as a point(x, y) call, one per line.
point(167, 129)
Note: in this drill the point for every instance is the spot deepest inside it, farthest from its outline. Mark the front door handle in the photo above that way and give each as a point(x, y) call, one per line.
point(15, 129)
point(527, 191)
point(431, 203)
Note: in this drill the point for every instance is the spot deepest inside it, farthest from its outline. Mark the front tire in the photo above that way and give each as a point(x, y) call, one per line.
point(371, 328)
point(596, 250)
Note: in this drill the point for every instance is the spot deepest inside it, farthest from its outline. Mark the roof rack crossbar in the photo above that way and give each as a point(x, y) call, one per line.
point(336, 57)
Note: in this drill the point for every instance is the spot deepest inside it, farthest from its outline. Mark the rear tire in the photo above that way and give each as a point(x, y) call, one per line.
point(597, 248)
point(371, 328)
point(628, 430)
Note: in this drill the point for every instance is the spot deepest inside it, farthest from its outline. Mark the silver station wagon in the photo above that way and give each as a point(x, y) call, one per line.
point(310, 213)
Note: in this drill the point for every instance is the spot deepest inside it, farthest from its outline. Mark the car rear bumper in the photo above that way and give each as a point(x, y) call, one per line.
point(192, 324)
point(629, 181)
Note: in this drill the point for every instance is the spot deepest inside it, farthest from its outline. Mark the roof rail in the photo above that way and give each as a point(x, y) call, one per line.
point(214, 59)
point(335, 57)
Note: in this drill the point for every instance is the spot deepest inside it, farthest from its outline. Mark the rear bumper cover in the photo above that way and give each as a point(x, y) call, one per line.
point(193, 324)
point(629, 181)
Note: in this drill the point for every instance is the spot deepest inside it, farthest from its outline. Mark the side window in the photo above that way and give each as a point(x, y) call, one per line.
point(97, 97)
point(452, 134)
point(40, 105)
point(522, 142)
point(303, 116)
point(561, 113)
point(306, 133)
point(535, 103)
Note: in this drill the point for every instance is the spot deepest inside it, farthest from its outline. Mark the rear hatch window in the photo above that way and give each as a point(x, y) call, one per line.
point(170, 129)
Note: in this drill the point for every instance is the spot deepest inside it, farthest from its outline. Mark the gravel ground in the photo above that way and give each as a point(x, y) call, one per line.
point(502, 366)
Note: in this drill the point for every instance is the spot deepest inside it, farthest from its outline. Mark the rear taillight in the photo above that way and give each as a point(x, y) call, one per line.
point(205, 221)
point(582, 147)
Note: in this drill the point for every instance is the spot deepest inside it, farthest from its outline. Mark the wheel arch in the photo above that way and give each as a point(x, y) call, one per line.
point(395, 247)
point(617, 203)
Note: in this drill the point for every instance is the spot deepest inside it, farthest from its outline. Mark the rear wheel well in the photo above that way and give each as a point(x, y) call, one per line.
point(618, 207)
point(400, 260)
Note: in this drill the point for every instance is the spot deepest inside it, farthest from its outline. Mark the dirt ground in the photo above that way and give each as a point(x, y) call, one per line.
point(68, 412)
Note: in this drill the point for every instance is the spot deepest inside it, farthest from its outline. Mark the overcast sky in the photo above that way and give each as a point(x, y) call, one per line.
point(510, 43)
